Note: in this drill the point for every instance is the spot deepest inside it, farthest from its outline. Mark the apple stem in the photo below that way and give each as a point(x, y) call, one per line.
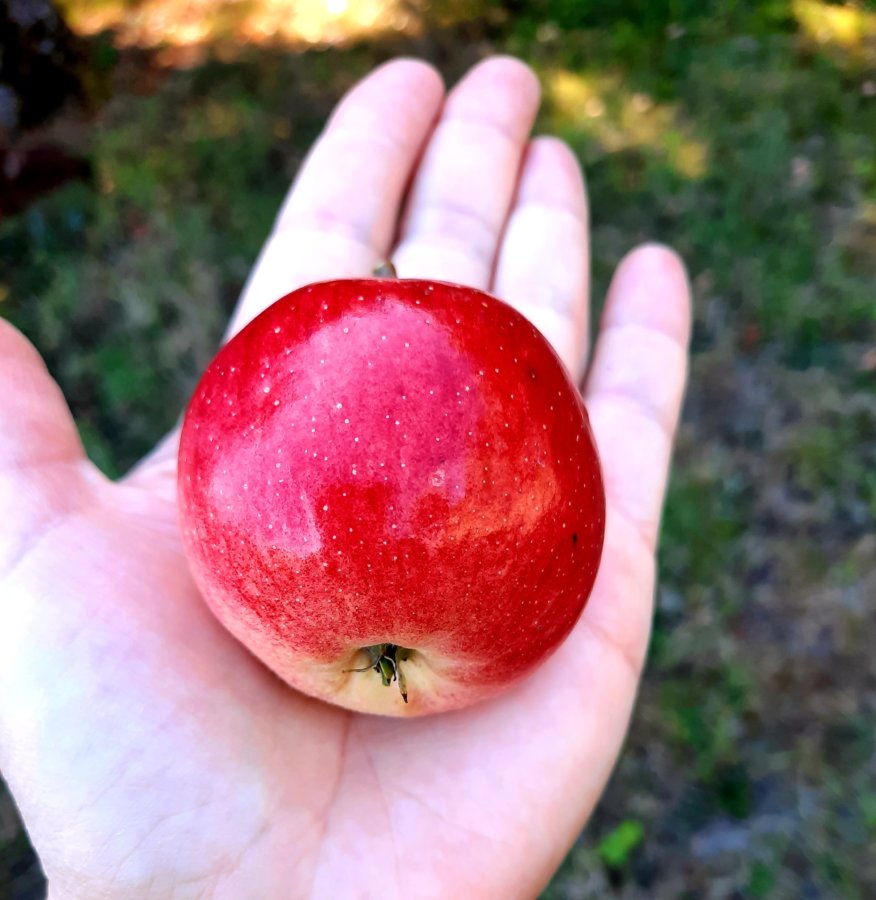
point(385, 269)
point(386, 659)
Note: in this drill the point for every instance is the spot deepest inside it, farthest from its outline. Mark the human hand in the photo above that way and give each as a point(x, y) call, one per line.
point(149, 753)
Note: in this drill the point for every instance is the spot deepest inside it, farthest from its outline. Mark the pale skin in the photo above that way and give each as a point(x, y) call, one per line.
point(149, 753)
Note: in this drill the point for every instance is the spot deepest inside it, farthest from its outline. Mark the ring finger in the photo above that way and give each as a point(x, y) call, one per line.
point(543, 266)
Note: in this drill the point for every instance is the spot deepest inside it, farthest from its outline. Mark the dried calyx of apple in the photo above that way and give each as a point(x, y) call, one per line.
point(386, 660)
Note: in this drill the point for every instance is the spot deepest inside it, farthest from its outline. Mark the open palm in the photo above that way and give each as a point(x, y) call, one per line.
point(150, 754)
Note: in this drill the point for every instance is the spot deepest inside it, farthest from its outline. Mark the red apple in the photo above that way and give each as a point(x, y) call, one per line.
point(392, 481)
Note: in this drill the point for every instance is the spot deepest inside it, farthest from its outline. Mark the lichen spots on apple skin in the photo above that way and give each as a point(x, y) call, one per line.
point(404, 479)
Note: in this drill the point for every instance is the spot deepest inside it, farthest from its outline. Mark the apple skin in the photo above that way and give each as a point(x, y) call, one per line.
point(392, 461)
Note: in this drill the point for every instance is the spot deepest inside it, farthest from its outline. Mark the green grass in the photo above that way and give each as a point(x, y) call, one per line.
point(724, 128)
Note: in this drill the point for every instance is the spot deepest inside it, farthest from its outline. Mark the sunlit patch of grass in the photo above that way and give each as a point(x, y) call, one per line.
point(617, 119)
point(229, 24)
point(844, 30)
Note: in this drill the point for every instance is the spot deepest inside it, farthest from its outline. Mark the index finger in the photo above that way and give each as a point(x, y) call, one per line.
point(339, 217)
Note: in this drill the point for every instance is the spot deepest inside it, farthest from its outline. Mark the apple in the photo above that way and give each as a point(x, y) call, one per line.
point(390, 493)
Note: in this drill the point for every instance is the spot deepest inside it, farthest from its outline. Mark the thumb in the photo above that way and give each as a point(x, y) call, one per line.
point(44, 473)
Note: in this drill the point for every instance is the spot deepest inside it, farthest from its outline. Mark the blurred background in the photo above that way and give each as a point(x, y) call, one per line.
point(145, 146)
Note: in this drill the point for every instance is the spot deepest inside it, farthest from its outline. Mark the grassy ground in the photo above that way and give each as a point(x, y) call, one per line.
point(740, 132)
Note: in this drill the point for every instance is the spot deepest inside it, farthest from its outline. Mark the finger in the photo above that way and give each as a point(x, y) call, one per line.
point(340, 216)
point(543, 265)
point(43, 467)
point(635, 385)
point(463, 189)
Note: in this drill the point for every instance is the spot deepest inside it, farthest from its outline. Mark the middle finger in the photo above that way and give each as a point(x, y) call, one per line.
point(464, 187)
